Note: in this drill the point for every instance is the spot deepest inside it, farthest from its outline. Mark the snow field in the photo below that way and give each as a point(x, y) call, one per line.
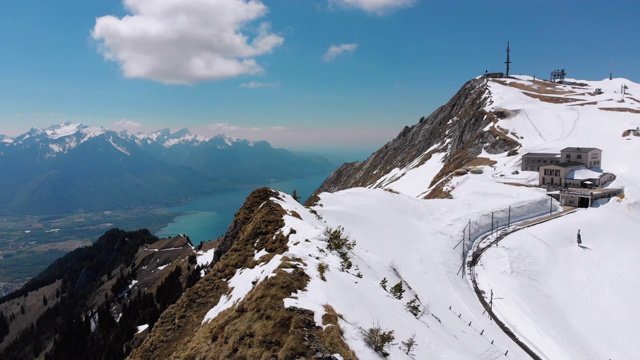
point(565, 302)
point(571, 302)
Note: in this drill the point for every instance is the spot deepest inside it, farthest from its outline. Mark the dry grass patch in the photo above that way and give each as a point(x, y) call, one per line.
point(332, 334)
point(256, 226)
point(585, 103)
point(439, 192)
point(621, 109)
point(551, 99)
point(261, 327)
point(257, 327)
point(481, 161)
point(330, 317)
point(537, 86)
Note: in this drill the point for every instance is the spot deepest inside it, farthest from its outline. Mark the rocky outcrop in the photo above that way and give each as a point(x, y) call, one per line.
point(456, 129)
point(258, 326)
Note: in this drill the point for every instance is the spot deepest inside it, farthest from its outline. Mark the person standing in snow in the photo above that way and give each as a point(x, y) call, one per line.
point(579, 238)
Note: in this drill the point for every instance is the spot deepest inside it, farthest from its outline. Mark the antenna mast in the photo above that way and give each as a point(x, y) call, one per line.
point(508, 62)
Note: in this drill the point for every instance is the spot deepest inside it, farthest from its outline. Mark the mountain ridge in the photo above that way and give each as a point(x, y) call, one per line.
point(453, 130)
point(72, 167)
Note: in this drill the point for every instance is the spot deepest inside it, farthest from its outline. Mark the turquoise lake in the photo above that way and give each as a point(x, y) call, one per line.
point(209, 216)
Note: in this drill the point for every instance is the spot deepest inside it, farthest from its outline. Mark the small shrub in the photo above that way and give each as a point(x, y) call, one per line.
point(314, 212)
point(409, 344)
point(413, 307)
point(337, 241)
point(345, 262)
point(359, 275)
point(378, 339)
point(340, 243)
point(417, 309)
point(383, 283)
point(322, 268)
point(397, 290)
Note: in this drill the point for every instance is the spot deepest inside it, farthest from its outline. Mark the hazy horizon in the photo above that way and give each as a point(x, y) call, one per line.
point(300, 75)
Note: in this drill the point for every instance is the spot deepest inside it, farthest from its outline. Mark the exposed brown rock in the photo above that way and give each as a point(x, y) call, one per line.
point(461, 121)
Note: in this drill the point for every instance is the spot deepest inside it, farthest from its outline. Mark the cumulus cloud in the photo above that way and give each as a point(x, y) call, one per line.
point(126, 124)
point(378, 7)
point(336, 50)
point(257, 85)
point(186, 41)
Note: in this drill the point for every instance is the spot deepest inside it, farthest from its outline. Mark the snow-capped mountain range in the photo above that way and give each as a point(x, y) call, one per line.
point(71, 167)
point(64, 137)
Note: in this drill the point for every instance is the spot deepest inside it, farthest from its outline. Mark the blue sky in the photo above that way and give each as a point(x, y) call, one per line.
point(264, 69)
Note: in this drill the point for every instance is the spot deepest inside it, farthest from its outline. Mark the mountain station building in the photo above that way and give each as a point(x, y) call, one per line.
point(576, 167)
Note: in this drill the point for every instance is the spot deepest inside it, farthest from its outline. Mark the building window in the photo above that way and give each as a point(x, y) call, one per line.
point(568, 156)
point(579, 156)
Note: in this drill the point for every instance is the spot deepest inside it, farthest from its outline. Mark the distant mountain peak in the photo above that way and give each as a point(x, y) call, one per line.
point(68, 128)
point(168, 138)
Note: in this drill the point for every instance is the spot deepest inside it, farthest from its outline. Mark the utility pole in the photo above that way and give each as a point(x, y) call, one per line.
point(492, 223)
point(509, 219)
point(491, 303)
point(462, 251)
point(508, 62)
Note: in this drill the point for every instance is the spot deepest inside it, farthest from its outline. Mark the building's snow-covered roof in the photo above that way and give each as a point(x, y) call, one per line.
point(572, 149)
point(542, 154)
point(583, 174)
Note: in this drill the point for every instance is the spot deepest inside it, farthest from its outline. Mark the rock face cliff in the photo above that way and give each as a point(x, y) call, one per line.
point(459, 129)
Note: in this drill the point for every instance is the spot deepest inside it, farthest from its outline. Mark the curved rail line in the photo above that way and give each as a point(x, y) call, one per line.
point(475, 258)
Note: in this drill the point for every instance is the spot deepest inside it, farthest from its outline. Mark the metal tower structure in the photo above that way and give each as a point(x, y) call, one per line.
point(508, 62)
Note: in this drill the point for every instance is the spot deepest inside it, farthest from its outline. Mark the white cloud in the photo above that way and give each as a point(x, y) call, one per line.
point(221, 128)
point(378, 7)
point(256, 85)
point(126, 124)
point(186, 41)
point(335, 50)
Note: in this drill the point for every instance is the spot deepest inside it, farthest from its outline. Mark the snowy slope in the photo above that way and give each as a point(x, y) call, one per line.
point(563, 301)
point(417, 238)
point(568, 302)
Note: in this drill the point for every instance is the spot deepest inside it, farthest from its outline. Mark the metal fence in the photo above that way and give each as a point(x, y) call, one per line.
point(499, 219)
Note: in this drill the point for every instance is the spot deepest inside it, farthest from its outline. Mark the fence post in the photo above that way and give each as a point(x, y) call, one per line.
point(492, 223)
